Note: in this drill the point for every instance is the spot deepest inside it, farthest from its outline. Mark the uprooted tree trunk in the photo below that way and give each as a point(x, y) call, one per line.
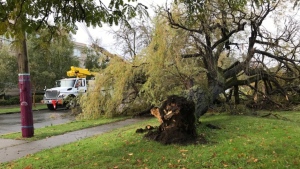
point(203, 98)
point(177, 122)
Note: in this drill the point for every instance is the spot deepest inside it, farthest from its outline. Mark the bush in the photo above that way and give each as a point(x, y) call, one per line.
point(13, 100)
point(38, 98)
point(10, 101)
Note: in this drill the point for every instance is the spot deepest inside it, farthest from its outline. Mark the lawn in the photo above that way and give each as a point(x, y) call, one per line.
point(243, 142)
point(48, 131)
point(16, 108)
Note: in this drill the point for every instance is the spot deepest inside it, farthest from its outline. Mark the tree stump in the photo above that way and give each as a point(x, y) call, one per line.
point(177, 121)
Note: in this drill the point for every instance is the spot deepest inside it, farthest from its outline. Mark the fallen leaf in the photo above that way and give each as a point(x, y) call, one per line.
point(214, 155)
point(28, 167)
point(225, 165)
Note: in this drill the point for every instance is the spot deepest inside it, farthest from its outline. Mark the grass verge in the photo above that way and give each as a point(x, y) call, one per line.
point(11, 109)
point(243, 142)
point(41, 133)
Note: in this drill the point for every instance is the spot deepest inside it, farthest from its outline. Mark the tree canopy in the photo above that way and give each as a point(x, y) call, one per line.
point(51, 14)
point(207, 47)
point(241, 31)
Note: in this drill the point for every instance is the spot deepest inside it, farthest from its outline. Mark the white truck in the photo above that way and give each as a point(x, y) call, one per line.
point(66, 90)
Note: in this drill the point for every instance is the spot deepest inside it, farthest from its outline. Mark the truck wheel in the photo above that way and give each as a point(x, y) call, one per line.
point(72, 103)
point(51, 107)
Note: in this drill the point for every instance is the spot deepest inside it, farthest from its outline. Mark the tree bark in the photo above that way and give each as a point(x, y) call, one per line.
point(203, 99)
point(236, 94)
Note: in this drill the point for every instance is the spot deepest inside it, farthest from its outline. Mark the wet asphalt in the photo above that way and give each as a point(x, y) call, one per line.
point(11, 122)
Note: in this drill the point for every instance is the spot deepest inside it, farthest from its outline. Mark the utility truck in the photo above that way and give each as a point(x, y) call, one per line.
point(66, 90)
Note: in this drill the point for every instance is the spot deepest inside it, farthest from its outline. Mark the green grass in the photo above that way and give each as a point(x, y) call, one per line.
point(48, 131)
point(17, 108)
point(243, 142)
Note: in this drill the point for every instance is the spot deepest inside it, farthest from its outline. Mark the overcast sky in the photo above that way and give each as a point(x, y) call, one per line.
point(103, 34)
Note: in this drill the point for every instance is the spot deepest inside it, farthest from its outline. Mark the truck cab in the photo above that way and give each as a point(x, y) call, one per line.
point(64, 93)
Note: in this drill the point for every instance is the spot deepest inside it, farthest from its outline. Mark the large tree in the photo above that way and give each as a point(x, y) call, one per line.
point(8, 66)
point(205, 48)
point(244, 30)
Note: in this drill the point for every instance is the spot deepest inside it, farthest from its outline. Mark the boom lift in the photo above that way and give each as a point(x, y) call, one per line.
point(79, 72)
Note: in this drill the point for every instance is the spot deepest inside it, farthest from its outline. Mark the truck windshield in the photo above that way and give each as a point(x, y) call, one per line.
point(65, 83)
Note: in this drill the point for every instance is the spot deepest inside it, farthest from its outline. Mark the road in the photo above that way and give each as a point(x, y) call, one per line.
point(12, 122)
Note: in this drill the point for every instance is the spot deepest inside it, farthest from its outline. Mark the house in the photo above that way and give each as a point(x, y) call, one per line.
point(79, 53)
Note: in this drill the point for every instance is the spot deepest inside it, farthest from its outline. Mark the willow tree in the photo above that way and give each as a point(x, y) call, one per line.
point(135, 84)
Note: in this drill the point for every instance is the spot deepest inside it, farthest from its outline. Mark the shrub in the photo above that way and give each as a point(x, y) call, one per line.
point(13, 100)
point(10, 101)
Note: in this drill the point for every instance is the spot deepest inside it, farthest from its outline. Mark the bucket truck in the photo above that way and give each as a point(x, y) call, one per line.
point(66, 90)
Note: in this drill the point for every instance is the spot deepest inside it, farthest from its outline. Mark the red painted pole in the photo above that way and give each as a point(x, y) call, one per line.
point(26, 105)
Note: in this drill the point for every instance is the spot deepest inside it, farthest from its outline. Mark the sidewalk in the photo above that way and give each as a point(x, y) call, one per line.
point(15, 149)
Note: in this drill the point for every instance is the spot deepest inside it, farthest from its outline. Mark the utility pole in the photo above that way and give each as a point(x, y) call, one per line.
point(25, 89)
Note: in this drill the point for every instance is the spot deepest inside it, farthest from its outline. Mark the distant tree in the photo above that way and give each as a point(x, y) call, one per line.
point(92, 59)
point(8, 67)
point(131, 40)
point(50, 58)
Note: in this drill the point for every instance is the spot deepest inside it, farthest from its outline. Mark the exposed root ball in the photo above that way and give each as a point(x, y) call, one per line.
point(177, 121)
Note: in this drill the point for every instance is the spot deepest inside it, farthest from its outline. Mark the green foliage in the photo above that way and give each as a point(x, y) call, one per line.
point(162, 67)
point(50, 59)
point(10, 101)
point(119, 88)
point(168, 73)
point(201, 35)
point(15, 100)
point(110, 86)
point(8, 67)
point(34, 14)
point(92, 60)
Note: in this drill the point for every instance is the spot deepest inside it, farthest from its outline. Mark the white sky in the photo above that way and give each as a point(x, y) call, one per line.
point(103, 34)
point(106, 38)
